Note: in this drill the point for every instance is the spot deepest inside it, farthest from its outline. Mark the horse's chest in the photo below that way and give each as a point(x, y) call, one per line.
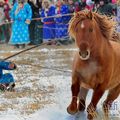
point(88, 73)
point(89, 70)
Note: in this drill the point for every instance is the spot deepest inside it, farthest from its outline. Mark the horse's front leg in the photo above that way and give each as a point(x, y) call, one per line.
point(75, 88)
point(82, 98)
point(97, 94)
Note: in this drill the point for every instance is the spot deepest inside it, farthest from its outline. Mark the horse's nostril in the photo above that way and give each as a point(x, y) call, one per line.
point(84, 55)
point(80, 53)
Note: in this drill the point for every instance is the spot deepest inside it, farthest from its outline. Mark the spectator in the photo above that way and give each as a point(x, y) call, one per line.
point(105, 8)
point(48, 10)
point(2, 37)
point(35, 27)
point(71, 6)
point(6, 10)
point(114, 5)
point(21, 14)
point(118, 16)
point(77, 6)
point(82, 4)
point(7, 27)
point(62, 20)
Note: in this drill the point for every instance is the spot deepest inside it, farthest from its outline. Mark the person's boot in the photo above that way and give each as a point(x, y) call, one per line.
point(22, 46)
point(3, 87)
point(11, 86)
point(16, 46)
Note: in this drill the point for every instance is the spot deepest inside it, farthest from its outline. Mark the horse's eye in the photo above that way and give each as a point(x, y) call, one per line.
point(90, 29)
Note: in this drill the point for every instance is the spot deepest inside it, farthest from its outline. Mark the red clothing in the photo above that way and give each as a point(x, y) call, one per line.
point(6, 11)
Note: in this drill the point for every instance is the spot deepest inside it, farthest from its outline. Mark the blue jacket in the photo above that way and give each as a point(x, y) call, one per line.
point(5, 66)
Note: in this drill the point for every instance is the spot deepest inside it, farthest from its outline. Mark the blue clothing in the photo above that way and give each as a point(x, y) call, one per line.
point(20, 31)
point(48, 32)
point(61, 26)
point(5, 78)
point(48, 23)
point(118, 19)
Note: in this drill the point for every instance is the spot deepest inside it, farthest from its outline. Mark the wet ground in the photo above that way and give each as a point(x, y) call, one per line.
point(43, 79)
point(35, 69)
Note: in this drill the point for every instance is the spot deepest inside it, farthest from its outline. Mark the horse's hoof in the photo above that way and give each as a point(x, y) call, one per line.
point(91, 110)
point(90, 117)
point(81, 106)
point(72, 109)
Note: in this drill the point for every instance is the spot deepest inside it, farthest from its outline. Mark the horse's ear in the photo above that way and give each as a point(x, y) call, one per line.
point(90, 15)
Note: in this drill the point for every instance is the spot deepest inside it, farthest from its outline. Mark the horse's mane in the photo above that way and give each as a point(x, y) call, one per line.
point(105, 24)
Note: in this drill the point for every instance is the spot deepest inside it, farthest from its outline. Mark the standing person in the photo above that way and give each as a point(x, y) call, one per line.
point(21, 15)
point(62, 20)
point(7, 27)
point(2, 17)
point(118, 16)
point(71, 6)
point(77, 6)
point(35, 27)
point(105, 8)
point(48, 10)
point(82, 4)
point(6, 10)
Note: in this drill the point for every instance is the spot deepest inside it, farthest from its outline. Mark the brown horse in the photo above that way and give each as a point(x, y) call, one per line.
point(96, 64)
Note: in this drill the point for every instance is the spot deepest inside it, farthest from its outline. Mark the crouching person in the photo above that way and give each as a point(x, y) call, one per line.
point(6, 80)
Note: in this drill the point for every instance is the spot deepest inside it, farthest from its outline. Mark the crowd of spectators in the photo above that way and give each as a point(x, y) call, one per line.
point(37, 21)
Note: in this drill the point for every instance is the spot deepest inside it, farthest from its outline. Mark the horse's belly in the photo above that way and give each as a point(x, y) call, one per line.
point(87, 86)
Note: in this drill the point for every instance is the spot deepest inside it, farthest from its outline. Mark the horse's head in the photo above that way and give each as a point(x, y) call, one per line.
point(89, 29)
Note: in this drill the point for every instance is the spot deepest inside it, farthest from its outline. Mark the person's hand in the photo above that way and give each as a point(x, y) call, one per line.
point(27, 22)
point(58, 15)
point(12, 66)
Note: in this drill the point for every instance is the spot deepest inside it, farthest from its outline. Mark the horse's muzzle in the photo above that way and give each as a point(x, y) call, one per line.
point(84, 55)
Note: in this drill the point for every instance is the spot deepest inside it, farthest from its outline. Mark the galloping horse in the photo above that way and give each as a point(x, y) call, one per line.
point(96, 64)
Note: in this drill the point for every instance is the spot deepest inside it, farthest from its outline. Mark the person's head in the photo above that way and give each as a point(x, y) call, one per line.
point(70, 2)
point(65, 1)
point(59, 3)
point(1, 3)
point(32, 1)
point(83, 1)
point(118, 2)
point(6, 1)
point(102, 2)
point(76, 4)
point(46, 3)
point(21, 1)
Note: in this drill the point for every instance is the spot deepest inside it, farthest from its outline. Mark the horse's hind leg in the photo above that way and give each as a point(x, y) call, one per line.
point(82, 98)
point(112, 95)
point(75, 88)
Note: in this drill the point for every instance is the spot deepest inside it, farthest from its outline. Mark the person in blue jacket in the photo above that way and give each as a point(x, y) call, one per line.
point(62, 11)
point(7, 81)
point(48, 23)
point(21, 14)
